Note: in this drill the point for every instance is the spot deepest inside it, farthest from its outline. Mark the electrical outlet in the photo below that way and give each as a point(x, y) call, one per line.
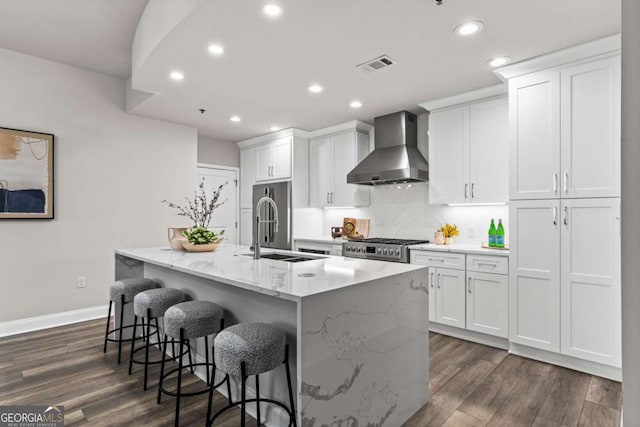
point(81, 282)
point(472, 232)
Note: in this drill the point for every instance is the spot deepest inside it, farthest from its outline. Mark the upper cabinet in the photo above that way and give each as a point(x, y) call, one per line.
point(468, 160)
point(565, 132)
point(331, 158)
point(273, 160)
point(247, 176)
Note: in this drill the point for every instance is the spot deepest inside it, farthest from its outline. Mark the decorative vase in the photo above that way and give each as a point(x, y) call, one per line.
point(176, 239)
point(448, 241)
point(208, 247)
point(439, 238)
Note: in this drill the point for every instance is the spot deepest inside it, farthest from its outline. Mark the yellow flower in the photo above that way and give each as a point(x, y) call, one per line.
point(450, 230)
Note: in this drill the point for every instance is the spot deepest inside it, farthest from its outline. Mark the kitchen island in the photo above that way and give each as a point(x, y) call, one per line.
point(357, 329)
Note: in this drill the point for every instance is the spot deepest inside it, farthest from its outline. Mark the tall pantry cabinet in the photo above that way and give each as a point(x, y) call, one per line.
point(564, 141)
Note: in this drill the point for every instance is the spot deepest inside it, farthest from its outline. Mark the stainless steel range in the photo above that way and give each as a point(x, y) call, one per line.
point(395, 250)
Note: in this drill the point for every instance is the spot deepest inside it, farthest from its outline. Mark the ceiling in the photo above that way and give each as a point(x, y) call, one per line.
point(268, 63)
point(91, 34)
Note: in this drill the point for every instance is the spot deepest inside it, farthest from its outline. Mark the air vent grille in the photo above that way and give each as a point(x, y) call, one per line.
point(377, 63)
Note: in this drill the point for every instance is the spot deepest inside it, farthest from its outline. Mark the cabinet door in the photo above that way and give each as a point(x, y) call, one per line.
point(247, 176)
point(448, 157)
point(432, 294)
point(281, 158)
point(344, 159)
point(534, 136)
point(489, 152)
point(246, 227)
point(450, 298)
point(534, 274)
point(263, 163)
point(590, 129)
point(320, 171)
point(488, 303)
point(591, 305)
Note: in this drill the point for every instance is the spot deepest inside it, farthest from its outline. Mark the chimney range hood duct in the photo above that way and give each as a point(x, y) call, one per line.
point(395, 158)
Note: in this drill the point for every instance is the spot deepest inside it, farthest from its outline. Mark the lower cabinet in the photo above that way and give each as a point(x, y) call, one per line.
point(488, 303)
point(449, 297)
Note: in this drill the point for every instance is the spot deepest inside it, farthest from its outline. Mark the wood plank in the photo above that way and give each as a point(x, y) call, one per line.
point(605, 392)
point(594, 415)
point(460, 419)
point(565, 400)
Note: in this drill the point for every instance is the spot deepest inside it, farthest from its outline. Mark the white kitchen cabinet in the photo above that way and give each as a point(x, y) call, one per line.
point(565, 132)
point(590, 273)
point(247, 177)
point(273, 160)
point(534, 274)
point(468, 153)
point(331, 158)
point(488, 303)
point(450, 298)
point(246, 227)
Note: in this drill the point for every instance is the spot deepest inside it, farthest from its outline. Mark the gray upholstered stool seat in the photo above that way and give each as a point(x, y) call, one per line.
point(123, 292)
point(156, 300)
point(129, 288)
point(260, 345)
point(249, 349)
point(196, 318)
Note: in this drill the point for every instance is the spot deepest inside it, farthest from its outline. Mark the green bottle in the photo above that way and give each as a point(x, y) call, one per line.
point(492, 234)
point(500, 235)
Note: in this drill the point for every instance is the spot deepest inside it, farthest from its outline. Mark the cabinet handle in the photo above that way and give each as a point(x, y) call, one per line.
point(555, 215)
point(438, 281)
point(473, 193)
point(466, 187)
point(469, 284)
point(436, 259)
point(566, 215)
point(555, 183)
point(332, 200)
point(328, 198)
point(566, 182)
point(488, 264)
point(431, 283)
point(271, 170)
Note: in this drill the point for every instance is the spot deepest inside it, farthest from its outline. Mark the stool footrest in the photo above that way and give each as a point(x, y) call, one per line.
point(234, 404)
point(192, 393)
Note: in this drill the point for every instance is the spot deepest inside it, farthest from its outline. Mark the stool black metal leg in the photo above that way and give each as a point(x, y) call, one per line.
point(146, 350)
point(212, 382)
point(243, 394)
point(133, 340)
point(159, 342)
point(293, 408)
point(106, 334)
point(258, 399)
point(179, 376)
point(206, 357)
point(162, 367)
point(121, 329)
point(229, 389)
point(189, 351)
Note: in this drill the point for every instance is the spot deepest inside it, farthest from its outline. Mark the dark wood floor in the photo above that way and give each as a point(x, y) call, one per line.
point(471, 385)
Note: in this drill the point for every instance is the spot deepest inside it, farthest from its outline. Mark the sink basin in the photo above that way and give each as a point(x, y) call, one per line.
point(279, 257)
point(286, 257)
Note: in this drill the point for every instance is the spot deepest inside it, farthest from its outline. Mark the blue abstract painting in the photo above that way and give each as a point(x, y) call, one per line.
point(26, 174)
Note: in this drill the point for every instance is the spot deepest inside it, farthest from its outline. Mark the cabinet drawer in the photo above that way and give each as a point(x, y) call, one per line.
point(488, 264)
point(438, 259)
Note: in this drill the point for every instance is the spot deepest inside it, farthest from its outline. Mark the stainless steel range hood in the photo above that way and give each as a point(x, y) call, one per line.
point(395, 158)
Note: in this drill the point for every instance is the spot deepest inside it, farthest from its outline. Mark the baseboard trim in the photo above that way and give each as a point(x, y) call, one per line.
point(37, 323)
point(464, 334)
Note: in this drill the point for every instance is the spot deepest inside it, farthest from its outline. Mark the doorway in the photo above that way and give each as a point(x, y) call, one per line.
point(224, 217)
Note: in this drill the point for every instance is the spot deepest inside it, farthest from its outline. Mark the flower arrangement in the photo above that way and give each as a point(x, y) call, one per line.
point(450, 230)
point(200, 211)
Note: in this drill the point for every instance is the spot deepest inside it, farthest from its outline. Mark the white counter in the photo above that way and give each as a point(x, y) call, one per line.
point(462, 248)
point(234, 265)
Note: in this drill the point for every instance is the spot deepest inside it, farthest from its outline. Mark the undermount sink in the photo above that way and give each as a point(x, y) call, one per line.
point(286, 257)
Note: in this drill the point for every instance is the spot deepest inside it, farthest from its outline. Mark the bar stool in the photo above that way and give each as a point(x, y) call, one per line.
point(123, 292)
point(152, 304)
point(186, 321)
point(249, 349)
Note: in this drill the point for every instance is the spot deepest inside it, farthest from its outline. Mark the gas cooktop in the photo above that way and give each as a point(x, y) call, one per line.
point(384, 241)
point(395, 250)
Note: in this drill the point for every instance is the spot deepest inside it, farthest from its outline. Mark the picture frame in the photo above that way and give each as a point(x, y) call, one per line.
point(26, 174)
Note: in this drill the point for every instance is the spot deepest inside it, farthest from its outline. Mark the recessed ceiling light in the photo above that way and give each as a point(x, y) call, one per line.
point(235, 119)
point(315, 88)
point(499, 61)
point(274, 128)
point(272, 10)
point(177, 76)
point(355, 104)
point(215, 49)
point(469, 28)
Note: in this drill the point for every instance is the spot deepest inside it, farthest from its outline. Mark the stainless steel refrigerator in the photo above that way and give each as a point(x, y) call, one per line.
point(280, 192)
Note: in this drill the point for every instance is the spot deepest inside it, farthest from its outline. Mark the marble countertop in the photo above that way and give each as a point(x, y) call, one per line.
point(464, 248)
point(230, 264)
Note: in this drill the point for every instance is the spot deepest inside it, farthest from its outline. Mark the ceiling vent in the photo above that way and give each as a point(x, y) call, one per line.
point(377, 63)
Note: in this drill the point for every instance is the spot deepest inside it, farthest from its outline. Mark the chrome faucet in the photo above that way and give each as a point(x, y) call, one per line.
point(256, 232)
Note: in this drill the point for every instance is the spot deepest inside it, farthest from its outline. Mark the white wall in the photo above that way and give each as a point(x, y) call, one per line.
point(111, 172)
point(217, 152)
point(630, 211)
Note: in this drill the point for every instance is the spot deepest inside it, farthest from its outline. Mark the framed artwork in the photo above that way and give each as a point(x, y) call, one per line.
point(26, 174)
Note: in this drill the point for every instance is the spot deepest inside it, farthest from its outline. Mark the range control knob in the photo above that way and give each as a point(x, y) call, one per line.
point(384, 251)
point(397, 252)
point(359, 249)
point(379, 251)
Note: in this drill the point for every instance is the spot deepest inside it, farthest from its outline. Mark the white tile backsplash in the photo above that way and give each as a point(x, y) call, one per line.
point(403, 211)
